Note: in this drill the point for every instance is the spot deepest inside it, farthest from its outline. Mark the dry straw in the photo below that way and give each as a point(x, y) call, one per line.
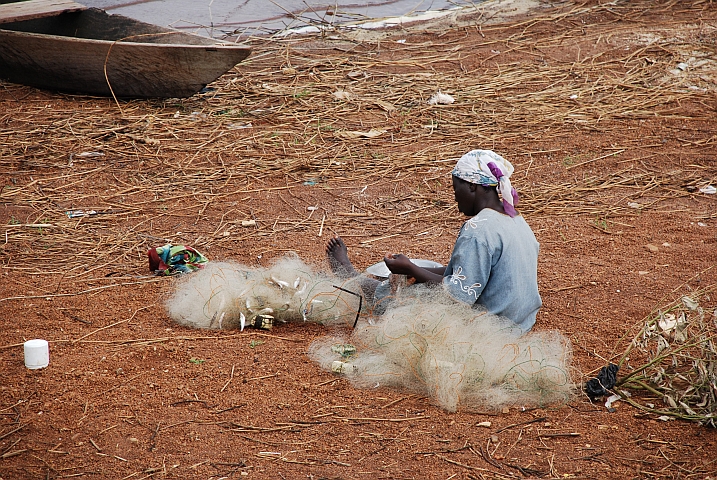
point(344, 114)
point(671, 362)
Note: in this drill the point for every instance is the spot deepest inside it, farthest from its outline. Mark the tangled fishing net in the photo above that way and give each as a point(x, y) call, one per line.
point(423, 342)
point(672, 362)
point(227, 295)
point(429, 344)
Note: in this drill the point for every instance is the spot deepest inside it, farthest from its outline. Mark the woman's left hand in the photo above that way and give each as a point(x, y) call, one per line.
point(399, 264)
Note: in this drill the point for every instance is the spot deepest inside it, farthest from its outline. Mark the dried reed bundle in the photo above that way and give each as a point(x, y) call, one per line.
point(673, 361)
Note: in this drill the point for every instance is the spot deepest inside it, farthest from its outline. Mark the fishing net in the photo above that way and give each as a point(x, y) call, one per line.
point(457, 355)
point(423, 341)
point(226, 295)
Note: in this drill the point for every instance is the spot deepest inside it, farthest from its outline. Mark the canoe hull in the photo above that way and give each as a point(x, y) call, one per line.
point(149, 64)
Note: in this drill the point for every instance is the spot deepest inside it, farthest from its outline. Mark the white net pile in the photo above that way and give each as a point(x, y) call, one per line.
point(227, 295)
point(428, 344)
point(424, 342)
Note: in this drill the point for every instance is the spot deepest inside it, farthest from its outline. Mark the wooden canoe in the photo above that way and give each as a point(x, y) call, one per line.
point(92, 52)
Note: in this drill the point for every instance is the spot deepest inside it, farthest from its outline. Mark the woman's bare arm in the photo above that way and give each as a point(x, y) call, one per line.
point(401, 265)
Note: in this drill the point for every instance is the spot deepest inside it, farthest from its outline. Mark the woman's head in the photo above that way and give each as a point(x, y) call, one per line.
point(472, 198)
point(485, 168)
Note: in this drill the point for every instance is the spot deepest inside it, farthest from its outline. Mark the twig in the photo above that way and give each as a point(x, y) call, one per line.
point(231, 377)
point(513, 425)
point(112, 325)
point(13, 431)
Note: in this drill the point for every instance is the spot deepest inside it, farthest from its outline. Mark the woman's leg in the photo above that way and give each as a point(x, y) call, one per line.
point(338, 257)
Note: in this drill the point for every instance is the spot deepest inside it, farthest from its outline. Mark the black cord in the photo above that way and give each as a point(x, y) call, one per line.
point(360, 302)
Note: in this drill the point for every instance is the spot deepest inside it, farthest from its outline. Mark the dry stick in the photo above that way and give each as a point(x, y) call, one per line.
point(332, 380)
point(231, 377)
point(487, 457)
point(528, 422)
point(397, 401)
point(113, 324)
point(228, 409)
point(108, 429)
point(372, 419)
point(594, 159)
point(263, 377)
point(12, 454)
point(471, 467)
point(381, 238)
point(250, 428)
point(104, 69)
point(19, 402)
point(13, 431)
point(78, 293)
point(153, 437)
point(10, 447)
point(95, 445)
point(321, 228)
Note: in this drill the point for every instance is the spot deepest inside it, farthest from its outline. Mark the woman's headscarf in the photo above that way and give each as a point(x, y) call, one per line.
point(485, 167)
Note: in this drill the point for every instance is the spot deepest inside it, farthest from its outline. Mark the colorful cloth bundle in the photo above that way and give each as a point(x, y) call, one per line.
point(171, 259)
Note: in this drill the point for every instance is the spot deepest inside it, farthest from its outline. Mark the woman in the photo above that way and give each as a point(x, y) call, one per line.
point(495, 258)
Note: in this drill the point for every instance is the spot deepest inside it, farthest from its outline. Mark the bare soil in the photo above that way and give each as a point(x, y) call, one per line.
point(612, 139)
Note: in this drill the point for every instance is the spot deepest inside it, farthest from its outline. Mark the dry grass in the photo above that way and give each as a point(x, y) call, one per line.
point(300, 110)
point(672, 361)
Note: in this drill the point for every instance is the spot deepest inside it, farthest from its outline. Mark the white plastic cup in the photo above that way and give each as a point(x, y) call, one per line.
point(37, 354)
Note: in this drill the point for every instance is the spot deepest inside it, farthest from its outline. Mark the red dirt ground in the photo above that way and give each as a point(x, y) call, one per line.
point(128, 394)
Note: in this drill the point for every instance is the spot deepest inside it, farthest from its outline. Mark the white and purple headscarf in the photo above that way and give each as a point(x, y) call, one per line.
point(485, 167)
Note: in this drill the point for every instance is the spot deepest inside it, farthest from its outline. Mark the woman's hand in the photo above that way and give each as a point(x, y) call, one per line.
point(399, 264)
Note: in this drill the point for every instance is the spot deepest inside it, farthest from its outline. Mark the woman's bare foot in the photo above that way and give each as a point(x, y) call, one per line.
point(338, 257)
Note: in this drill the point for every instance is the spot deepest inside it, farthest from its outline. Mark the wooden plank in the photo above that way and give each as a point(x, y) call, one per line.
point(15, 12)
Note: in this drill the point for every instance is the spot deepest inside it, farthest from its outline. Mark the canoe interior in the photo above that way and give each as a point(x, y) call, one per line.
point(28, 9)
point(99, 25)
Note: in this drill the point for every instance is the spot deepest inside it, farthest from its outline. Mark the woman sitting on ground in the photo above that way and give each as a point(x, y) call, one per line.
point(495, 258)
